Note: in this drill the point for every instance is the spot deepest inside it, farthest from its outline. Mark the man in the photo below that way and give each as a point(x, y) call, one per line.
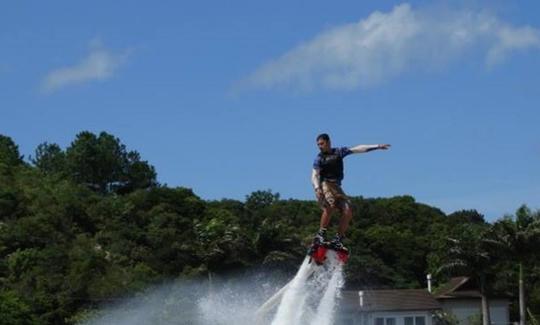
point(326, 178)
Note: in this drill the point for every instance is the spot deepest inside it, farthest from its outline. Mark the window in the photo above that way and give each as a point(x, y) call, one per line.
point(385, 321)
point(418, 320)
point(391, 321)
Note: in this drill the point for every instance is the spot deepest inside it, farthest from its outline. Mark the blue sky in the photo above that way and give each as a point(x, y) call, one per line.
point(228, 97)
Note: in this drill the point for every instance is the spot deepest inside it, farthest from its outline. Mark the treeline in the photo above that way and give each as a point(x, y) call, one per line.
point(89, 224)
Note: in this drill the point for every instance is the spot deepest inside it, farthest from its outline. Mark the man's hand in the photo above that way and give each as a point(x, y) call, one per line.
point(319, 193)
point(384, 146)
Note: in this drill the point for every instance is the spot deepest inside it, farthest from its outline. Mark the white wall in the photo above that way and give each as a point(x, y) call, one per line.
point(369, 318)
point(463, 309)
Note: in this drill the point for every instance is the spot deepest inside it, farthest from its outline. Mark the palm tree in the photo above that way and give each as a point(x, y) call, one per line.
point(471, 255)
point(519, 238)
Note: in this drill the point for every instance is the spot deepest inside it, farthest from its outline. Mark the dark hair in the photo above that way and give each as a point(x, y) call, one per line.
point(323, 136)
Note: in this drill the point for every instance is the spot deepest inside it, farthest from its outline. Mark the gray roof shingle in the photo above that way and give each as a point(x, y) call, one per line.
point(395, 300)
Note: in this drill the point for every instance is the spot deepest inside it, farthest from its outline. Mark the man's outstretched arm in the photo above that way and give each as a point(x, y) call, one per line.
point(368, 147)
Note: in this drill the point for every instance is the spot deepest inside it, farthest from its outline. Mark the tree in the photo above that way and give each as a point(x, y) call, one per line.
point(138, 174)
point(466, 216)
point(471, 255)
point(519, 238)
point(103, 164)
point(14, 310)
point(9, 152)
point(261, 199)
point(50, 158)
point(95, 162)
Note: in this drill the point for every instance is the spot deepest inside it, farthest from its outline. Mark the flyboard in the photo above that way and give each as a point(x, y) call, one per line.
point(317, 257)
point(318, 253)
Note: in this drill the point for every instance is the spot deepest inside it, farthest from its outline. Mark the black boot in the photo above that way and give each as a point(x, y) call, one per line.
point(318, 240)
point(337, 242)
point(319, 237)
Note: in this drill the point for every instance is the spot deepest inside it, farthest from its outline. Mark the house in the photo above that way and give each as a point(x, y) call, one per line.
point(459, 298)
point(388, 307)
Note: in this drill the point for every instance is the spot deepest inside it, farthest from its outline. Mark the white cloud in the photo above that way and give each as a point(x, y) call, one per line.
point(513, 39)
point(99, 64)
point(385, 45)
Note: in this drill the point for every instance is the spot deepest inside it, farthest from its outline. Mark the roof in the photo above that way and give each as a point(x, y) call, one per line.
point(462, 287)
point(458, 287)
point(394, 300)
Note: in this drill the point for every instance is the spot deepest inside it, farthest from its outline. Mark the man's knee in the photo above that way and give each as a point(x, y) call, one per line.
point(328, 210)
point(347, 209)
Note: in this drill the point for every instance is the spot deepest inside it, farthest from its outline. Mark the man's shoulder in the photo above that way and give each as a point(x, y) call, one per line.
point(335, 150)
point(344, 151)
point(317, 160)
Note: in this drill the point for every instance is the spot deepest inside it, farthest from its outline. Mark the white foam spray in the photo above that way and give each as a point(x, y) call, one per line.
point(311, 296)
point(326, 308)
point(291, 308)
point(222, 301)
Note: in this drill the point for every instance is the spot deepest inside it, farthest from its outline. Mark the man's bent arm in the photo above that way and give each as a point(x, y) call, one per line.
point(315, 179)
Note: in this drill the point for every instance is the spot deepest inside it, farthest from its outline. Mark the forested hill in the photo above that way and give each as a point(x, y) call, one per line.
point(90, 222)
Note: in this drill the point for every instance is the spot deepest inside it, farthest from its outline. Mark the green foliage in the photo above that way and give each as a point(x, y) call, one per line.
point(470, 254)
point(9, 152)
point(14, 311)
point(466, 217)
point(444, 318)
point(9, 203)
point(261, 199)
point(515, 236)
point(475, 319)
point(50, 158)
point(394, 237)
point(104, 164)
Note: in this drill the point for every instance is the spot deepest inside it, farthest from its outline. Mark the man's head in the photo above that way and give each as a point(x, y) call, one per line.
point(323, 142)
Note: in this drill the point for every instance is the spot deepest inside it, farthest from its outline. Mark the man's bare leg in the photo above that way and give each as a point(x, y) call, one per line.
point(320, 237)
point(325, 217)
point(346, 217)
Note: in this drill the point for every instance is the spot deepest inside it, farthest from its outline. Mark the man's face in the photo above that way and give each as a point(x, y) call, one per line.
point(323, 145)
